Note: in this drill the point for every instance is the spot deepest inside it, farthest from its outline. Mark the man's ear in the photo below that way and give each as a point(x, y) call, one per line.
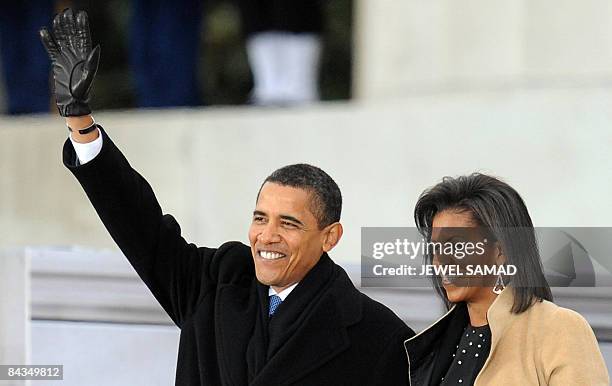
point(331, 236)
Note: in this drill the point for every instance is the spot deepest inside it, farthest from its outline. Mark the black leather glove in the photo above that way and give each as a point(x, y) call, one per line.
point(74, 62)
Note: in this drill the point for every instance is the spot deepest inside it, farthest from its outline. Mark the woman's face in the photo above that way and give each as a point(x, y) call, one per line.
point(453, 226)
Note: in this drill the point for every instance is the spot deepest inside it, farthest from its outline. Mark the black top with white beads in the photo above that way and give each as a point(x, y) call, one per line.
point(472, 352)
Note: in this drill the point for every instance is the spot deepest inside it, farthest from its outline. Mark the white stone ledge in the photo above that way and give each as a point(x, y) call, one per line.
point(86, 285)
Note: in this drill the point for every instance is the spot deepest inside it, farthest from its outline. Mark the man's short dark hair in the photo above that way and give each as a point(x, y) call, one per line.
point(326, 201)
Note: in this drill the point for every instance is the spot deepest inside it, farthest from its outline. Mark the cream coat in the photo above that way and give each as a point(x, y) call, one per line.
point(545, 345)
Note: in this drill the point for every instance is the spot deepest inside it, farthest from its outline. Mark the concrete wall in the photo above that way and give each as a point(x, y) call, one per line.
point(14, 309)
point(412, 46)
point(206, 165)
point(97, 354)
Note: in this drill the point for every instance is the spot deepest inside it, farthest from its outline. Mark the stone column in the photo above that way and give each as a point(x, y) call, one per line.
point(415, 47)
point(14, 309)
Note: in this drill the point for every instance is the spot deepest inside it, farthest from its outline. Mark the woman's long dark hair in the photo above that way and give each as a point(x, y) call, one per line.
point(495, 205)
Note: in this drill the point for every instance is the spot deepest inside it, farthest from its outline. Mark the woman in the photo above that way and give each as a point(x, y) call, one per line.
point(504, 331)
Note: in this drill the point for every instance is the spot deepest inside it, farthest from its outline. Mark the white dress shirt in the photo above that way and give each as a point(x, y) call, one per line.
point(87, 151)
point(284, 293)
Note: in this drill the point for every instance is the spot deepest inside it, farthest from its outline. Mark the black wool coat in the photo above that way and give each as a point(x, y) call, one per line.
point(325, 332)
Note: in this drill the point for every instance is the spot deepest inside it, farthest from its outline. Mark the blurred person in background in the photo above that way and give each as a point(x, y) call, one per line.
point(25, 67)
point(499, 330)
point(164, 38)
point(283, 41)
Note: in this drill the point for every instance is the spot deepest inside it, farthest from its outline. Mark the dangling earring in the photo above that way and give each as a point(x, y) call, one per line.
point(499, 285)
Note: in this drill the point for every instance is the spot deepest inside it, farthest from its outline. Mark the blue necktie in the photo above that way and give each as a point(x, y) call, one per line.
point(275, 301)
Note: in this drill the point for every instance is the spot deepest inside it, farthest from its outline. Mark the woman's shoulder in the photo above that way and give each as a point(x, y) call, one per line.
point(566, 345)
point(556, 318)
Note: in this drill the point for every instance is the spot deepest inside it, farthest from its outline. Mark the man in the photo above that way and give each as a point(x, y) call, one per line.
point(279, 312)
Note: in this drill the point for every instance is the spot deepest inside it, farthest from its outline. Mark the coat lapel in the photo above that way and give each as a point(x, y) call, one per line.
point(426, 367)
point(500, 317)
point(236, 312)
point(429, 351)
point(320, 338)
point(458, 320)
point(326, 304)
point(311, 325)
point(257, 348)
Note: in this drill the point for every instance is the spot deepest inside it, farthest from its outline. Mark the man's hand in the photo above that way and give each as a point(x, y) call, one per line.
point(73, 60)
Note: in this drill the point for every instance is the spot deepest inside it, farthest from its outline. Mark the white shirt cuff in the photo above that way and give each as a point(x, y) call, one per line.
point(87, 151)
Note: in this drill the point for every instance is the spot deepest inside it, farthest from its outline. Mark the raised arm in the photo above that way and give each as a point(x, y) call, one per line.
point(176, 272)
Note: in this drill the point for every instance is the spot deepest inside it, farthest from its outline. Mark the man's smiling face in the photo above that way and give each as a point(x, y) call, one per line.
point(285, 238)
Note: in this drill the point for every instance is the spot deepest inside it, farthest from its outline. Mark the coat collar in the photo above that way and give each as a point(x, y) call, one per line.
point(320, 333)
point(500, 315)
point(319, 336)
point(422, 348)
